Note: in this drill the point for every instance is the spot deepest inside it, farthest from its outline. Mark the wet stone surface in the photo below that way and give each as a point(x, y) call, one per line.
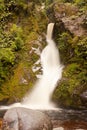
point(64, 119)
point(68, 119)
point(66, 114)
point(25, 119)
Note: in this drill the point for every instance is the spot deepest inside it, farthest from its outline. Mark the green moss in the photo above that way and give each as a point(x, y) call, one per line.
point(74, 81)
point(21, 24)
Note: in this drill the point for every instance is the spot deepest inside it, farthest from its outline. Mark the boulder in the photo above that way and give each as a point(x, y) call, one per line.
point(25, 119)
point(68, 19)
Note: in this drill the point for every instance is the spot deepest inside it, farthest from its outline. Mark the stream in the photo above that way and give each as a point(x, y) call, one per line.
point(64, 119)
point(67, 119)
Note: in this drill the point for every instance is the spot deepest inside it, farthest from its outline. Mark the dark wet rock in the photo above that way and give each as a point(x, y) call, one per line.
point(25, 119)
point(66, 119)
point(84, 98)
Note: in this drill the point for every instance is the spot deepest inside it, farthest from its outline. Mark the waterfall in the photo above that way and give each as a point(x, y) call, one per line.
point(50, 31)
point(52, 73)
point(40, 96)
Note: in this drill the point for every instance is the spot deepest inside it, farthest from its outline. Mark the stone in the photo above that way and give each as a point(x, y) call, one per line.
point(83, 98)
point(68, 18)
point(25, 119)
point(59, 128)
point(23, 81)
point(84, 95)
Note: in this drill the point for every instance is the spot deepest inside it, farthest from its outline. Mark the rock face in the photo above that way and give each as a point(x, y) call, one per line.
point(25, 119)
point(71, 19)
point(70, 35)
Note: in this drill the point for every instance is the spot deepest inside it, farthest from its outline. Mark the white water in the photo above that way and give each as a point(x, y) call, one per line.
point(52, 73)
point(40, 96)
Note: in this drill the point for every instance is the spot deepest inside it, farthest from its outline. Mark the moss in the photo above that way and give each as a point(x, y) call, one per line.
point(20, 30)
point(74, 82)
point(72, 85)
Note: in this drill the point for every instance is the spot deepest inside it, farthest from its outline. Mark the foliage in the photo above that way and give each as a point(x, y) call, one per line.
point(81, 49)
point(73, 52)
point(48, 2)
point(80, 2)
point(20, 27)
point(11, 40)
point(10, 43)
point(64, 45)
point(74, 82)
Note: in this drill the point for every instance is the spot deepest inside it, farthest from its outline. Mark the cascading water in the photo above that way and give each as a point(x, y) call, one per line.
point(52, 73)
point(44, 87)
point(40, 96)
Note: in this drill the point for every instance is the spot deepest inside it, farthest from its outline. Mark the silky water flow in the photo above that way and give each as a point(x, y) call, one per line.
point(40, 96)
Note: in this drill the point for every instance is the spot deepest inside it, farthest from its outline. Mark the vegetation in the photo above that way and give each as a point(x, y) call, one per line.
point(19, 27)
point(22, 22)
point(74, 81)
point(11, 42)
point(73, 52)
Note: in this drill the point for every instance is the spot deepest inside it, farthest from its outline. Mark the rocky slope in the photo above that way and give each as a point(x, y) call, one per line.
point(70, 35)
